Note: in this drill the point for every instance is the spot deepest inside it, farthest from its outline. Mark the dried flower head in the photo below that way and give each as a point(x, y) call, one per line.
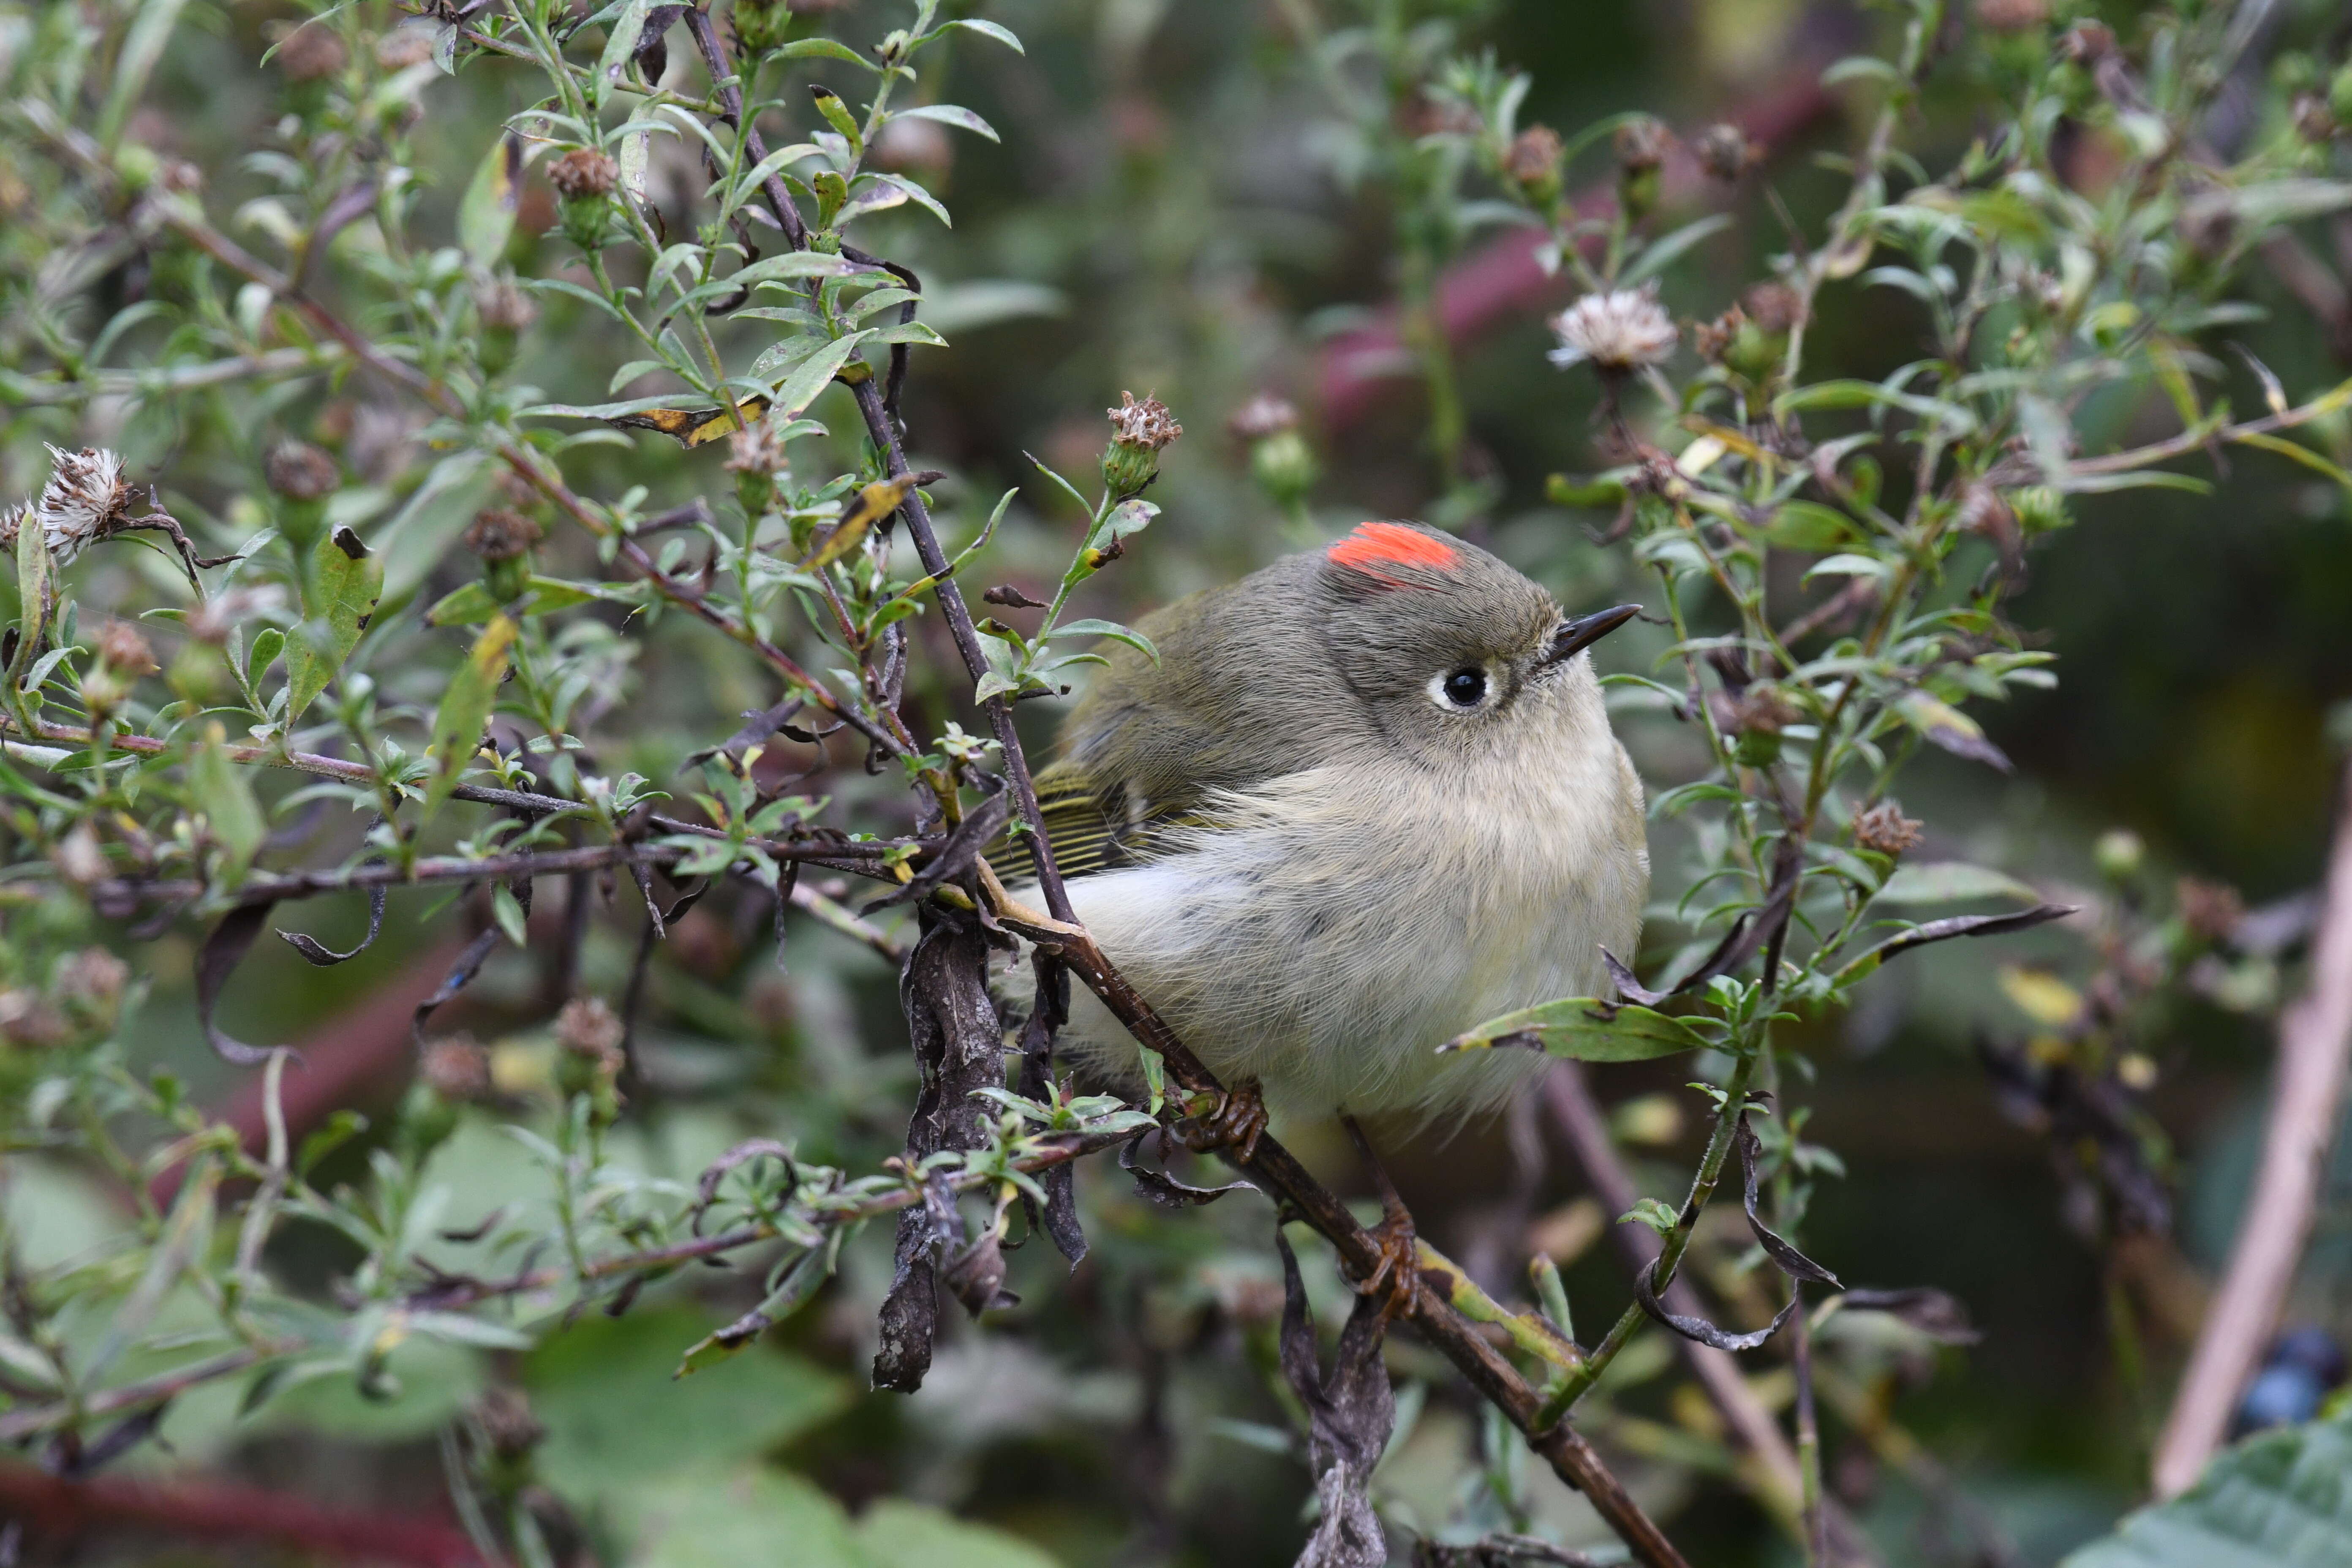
point(310, 51)
point(1640, 143)
point(1147, 425)
point(1617, 330)
point(1713, 339)
point(2210, 910)
point(1885, 829)
point(504, 307)
point(299, 471)
point(1725, 152)
point(583, 172)
point(589, 1028)
point(502, 533)
point(756, 448)
point(2011, 15)
point(1263, 415)
point(1534, 155)
point(2314, 122)
point(2087, 43)
point(85, 500)
point(404, 46)
point(455, 1067)
point(120, 648)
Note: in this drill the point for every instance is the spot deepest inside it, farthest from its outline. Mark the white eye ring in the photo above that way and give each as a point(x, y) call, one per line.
point(1464, 690)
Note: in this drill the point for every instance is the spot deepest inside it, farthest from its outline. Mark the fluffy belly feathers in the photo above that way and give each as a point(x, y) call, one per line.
point(1327, 937)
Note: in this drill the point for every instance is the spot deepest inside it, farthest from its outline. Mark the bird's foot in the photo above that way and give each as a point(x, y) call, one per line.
point(1395, 1276)
point(1236, 1123)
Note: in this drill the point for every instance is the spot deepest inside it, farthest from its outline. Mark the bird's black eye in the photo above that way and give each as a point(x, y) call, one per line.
point(1466, 687)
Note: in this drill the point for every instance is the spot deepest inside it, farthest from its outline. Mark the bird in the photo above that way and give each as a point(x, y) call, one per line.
point(1346, 808)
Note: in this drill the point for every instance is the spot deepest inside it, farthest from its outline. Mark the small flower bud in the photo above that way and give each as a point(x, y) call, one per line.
point(455, 1067)
point(506, 313)
point(79, 857)
point(762, 26)
point(2118, 854)
point(1641, 145)
point(2210, 910)
point(1139, 433)
point(589, 1063)
point(1533, 160)
point(503, 537)
point(301, 472)
point(584, 179)
point(584, 173)
point(506, 1424)
point(90, 982)
point(120, 648)
point(1723, 152)
point(1885, 828)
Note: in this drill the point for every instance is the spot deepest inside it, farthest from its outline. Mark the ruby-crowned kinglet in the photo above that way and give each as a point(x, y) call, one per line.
point(1366, 799)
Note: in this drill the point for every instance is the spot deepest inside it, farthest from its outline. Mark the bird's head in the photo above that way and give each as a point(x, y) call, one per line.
point(1451, 652)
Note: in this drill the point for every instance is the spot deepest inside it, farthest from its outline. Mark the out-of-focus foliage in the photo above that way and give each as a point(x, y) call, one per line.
point(1977, 361)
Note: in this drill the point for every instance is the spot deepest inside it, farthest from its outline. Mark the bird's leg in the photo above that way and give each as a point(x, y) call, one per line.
point(1398, 1272)
point(1236, 1123)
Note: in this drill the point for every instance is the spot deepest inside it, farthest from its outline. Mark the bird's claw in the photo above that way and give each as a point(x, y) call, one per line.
point(1236, 1123)
point(1395, 1278)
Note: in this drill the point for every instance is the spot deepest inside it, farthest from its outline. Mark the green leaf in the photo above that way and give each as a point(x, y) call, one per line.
point(616, 1419)
point(620, 44)
point(462, 606)
point(1846, 566)
point(812, 377)
point(822, 48)
point(32, 595)
point(1652, 1212)
point(216, 787)
point(346, 580)
point(1111, 629)
point(1951, 882)
point(1809, 525)
point(2282, 1500)
point(990, 30)
point(508, 909)
point(466, 709)
point(953, 114)
point(1664, 252)
point(142, 46)
point(486, 216)
point(837, 115)
point(1945, 726)
point(1587, 1029)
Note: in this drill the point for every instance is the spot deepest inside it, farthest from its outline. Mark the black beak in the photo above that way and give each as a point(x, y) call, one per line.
point(1580, 632)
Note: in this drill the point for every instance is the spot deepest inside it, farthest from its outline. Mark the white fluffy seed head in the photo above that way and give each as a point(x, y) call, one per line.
point(83, 501)
point(1617, 332)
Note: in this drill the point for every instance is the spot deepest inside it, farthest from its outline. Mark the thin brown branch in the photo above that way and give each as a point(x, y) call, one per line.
point(1458, 1339)
point(2315, 1044)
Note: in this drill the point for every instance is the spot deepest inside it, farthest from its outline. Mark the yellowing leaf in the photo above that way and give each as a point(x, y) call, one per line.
point(1586, 1030)
point(2041, 996)
point(874, 502)
point(466, 709)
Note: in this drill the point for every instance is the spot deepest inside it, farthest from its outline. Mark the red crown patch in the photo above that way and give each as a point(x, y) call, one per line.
point(1375, 544)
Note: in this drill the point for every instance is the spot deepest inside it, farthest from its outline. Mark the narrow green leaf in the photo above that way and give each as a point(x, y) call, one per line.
point(990, 30)
point(216, 787)
point(486, 216)
point(143, 46)
point(465, 708)
point(812, 376)
point(620, 46)
point(1587, 1029)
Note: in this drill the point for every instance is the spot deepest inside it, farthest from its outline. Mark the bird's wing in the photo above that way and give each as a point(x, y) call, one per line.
point(1093, 829)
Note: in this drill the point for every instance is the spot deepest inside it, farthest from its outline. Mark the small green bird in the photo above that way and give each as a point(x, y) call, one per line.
point(1366, 798)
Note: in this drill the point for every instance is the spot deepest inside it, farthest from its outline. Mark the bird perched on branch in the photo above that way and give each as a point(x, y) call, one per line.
point(1364, 800)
